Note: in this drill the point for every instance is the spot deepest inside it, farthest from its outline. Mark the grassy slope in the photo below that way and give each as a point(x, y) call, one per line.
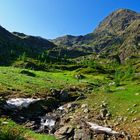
point(11, 79)
point(14, 80)
point(122, 100)
point(119, 99)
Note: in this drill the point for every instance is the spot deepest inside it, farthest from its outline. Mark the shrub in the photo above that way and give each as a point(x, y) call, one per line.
point(126, 74)
point(118, 77)
point(129, 73)
point(87, 70)
point(28, 73)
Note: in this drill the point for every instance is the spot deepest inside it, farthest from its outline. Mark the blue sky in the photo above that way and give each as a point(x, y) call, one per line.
point(53, 18)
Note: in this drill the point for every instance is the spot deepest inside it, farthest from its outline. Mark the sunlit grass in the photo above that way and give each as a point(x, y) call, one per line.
point(11, 79)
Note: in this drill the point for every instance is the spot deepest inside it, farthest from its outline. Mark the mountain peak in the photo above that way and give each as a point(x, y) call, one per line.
point(123, 10)
point(118, 21)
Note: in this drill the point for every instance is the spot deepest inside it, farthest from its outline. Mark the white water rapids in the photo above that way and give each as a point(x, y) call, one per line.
point(48, 122)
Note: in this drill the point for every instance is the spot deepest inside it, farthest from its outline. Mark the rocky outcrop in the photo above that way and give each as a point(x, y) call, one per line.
point(70, 121)
point(86, 131)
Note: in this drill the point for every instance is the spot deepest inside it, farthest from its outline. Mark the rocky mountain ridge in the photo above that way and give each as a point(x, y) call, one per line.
point(110, 36)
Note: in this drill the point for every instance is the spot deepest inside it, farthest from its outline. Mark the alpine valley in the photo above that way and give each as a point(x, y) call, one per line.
point(83, 87)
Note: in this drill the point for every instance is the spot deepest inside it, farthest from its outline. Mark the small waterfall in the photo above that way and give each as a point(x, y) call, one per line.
point(48, 123)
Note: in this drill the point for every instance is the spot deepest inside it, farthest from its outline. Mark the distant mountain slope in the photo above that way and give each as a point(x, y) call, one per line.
point(114, 35)
point(12, 45)
point(34, 41)
point(131, 45)
point(68, 40)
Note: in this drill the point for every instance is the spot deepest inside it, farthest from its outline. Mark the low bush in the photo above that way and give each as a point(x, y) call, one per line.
point(28, 73)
